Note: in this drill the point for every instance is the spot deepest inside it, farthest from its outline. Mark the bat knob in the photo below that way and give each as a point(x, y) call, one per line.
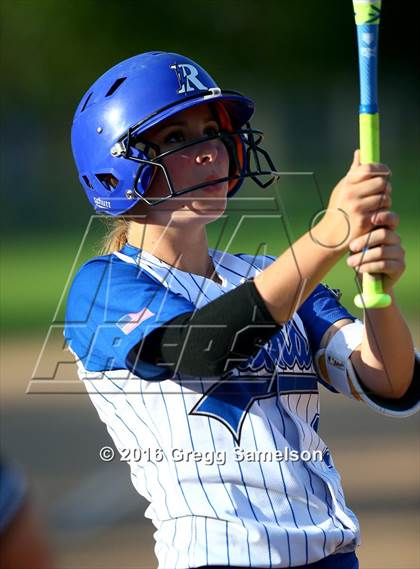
point(372, 295)
point(372, 301)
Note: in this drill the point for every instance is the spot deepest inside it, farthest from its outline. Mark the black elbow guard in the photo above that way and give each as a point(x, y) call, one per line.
point(215, 338)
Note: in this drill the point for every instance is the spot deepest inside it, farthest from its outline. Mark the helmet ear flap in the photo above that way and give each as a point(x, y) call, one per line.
point(235, 147)
point(144, 178)
point(142, 152)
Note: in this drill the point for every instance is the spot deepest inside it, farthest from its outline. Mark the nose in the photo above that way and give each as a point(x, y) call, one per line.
point(206, 154)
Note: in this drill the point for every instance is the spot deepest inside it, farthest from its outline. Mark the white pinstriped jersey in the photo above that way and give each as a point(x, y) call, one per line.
point(220, 505)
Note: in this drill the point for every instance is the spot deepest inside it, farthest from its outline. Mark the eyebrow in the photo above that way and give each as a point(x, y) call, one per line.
point(185, 123)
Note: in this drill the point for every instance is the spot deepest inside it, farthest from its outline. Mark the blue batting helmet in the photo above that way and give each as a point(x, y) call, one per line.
point(137, 94)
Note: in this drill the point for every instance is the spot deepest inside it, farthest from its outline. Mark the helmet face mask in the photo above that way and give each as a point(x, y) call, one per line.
point(116, 162)
point(244, 141)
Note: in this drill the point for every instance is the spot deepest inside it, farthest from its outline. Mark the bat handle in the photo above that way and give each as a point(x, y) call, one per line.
point(373, 295)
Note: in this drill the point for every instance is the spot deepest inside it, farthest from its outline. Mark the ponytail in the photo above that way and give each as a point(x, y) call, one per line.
point(116, 236)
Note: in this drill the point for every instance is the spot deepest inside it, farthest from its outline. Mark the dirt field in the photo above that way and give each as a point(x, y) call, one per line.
point(56, 438)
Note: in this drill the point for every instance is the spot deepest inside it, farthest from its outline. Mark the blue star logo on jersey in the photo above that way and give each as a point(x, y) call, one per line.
point(315, 422)
point(188, 79)
point(230, 399)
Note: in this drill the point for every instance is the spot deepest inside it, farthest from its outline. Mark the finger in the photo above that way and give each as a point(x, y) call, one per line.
point(358, 173)
point(389, 219)
point(379, 236)
point(384, 266)
point(369, 187)
point(373, 204)
point(356, 160)
point(383, 252)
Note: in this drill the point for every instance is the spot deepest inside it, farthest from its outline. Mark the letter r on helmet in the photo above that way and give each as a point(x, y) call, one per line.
point(187, 78)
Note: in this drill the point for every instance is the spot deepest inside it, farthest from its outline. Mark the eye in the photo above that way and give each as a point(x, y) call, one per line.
point(174, 137)
point(211, 130)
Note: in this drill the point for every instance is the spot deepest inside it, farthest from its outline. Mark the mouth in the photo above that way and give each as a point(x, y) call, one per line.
point(208, 188)
point(212, 186)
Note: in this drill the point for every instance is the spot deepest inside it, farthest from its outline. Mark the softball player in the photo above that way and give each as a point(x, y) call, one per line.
point(205, 365)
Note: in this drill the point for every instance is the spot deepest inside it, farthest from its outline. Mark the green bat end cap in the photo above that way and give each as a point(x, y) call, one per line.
point(376, 301)
point(373, 295)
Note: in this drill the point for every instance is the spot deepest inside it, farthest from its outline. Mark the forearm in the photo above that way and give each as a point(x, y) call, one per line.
point(385, 360)
point(287, 282)
point(291, 278)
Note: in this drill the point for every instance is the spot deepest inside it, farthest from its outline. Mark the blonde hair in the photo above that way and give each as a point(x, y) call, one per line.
point(116, 236)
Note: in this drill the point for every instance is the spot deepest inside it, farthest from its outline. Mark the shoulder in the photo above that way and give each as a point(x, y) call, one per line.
point(106, 277)
point(322, 314)
point(112, 304)
point(260, 262)
point(321, 295)
point(90, 272)
point(111, 267)
point(95, 268)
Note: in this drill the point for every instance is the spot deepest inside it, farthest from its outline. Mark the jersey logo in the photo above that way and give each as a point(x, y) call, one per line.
point(283, 366)
point(130, 321)
point(188, 78)
point(315, 422)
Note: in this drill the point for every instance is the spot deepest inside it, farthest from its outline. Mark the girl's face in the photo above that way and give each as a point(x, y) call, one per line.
point(205, 161)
